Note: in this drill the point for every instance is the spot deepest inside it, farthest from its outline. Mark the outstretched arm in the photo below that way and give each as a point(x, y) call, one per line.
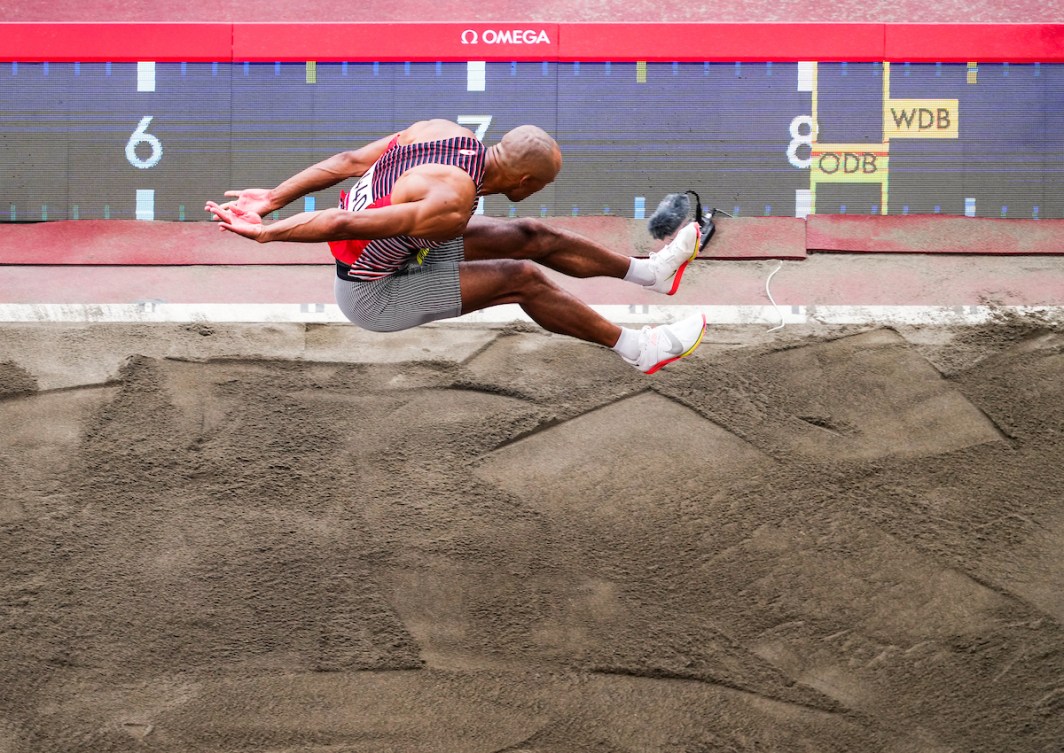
point(324, 174)
point(431, 202)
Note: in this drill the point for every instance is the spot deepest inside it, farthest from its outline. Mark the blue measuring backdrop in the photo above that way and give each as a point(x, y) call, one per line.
point(154, 140)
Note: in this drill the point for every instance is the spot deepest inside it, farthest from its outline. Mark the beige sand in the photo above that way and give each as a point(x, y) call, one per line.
point(459, 539)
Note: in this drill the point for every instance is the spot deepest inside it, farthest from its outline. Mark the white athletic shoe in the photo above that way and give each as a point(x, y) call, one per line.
point(666, 343)
point(670, 262)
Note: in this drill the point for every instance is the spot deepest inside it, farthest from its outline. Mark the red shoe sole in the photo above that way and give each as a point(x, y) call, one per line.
point(686, 353)
point(679, 272)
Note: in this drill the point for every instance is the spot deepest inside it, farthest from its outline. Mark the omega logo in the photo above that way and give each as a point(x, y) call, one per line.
point(506, 36)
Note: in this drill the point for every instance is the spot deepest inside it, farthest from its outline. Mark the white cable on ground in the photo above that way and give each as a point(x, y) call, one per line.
point(773, 300)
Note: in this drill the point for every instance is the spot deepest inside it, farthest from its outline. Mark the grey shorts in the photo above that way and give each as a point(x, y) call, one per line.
point(417, 295)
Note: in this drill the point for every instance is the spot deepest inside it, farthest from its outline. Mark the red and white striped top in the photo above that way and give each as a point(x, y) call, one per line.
point(373, 259)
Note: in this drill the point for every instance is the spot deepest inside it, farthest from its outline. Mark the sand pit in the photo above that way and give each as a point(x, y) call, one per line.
point(311, 539)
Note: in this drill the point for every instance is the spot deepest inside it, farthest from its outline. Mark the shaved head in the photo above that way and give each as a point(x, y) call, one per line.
point(529, 150)
point(526, 160)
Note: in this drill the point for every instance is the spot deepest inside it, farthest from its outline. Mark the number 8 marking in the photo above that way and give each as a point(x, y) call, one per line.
point(141, 136)
point(799, 139)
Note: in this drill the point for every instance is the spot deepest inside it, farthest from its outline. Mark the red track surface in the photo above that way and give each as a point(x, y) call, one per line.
point(99, 262)
point(835, 281)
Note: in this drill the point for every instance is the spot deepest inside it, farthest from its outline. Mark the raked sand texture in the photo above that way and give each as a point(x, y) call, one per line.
point(310, 539)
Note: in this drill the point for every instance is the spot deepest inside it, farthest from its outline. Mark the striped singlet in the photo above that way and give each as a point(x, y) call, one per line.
point(374, 259)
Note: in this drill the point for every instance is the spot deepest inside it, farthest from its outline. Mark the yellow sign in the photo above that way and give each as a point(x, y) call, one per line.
point(920, 119)
point(849, 163)
point(870, 163)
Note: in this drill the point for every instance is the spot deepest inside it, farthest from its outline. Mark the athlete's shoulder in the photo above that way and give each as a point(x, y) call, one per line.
point(433, 130)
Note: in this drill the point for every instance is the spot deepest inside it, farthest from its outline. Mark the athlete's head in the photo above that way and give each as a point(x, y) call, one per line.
point(529, 160)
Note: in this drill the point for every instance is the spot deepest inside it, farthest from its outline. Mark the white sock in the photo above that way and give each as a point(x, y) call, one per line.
point(639, 272)
point(628, 344)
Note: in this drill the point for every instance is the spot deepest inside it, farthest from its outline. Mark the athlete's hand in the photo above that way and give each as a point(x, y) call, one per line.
point(255, 200)
point(236, 220)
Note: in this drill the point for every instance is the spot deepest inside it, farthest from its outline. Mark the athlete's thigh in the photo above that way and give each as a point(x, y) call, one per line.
point(495, 238)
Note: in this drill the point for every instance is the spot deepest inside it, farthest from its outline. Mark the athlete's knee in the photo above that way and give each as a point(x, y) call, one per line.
point(527, 279)
point(535, 238)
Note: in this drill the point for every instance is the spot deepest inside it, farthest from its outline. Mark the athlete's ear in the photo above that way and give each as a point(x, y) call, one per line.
point(531, 184)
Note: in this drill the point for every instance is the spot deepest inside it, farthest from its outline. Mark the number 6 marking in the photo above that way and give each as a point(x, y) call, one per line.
point(141, 136)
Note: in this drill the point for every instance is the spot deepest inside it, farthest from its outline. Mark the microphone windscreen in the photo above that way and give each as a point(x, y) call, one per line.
point(670, 214)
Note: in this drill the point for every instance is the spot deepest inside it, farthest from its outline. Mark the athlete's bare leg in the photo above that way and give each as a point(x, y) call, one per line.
point(505, 262)
point(494, 282)
point(561, 250)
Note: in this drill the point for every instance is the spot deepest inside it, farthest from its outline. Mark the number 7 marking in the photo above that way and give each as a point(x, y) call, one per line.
point(480, 121)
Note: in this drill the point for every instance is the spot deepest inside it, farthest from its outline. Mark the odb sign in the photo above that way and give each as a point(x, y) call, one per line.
point(849, 163)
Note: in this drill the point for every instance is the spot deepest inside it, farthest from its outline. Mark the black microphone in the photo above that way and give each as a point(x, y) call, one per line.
point(671, 213)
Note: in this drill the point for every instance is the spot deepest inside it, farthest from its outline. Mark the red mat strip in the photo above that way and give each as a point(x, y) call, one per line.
point(934, 235)
point(132, 242)
point(135, 243)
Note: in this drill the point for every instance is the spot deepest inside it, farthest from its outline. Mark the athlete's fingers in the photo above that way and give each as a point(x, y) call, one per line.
point(218, 214)
point(235, 220)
